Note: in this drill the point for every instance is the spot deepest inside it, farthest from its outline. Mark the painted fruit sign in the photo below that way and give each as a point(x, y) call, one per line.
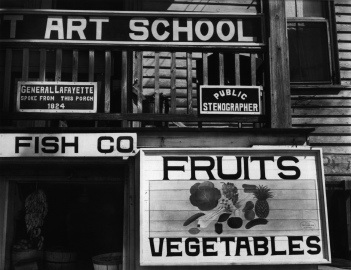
point(232, 206)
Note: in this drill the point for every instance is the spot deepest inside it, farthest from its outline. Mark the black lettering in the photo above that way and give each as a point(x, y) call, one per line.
point(207, 169)
point(246, 168)
point(195, 247)
point(312, 245)
point(206, 246)
point(73, 144)
point(99, 146)
point(167, 168)
point(262, 165)
point(258, 246)
point(36, 145)
point(46, 143)
point(152, 246)
point(229, 176)
point(242, 242)
point(227, 246)
point(288, 168)
point(170, 246)
point(276, 252)
point(18, 144)
point(121, 150)
point(293, 247)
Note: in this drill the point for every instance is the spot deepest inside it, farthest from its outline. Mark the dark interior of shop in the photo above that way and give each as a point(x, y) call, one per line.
point(85, 219)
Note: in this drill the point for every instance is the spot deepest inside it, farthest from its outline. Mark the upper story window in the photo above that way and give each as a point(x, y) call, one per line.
point(310, 41)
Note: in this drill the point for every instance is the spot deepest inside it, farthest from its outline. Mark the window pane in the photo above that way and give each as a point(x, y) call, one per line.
point(308, 52)
point(313, 8)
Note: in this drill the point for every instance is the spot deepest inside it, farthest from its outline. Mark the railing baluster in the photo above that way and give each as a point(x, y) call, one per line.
point(253, 68)
point(221, 68)
point(157, 83)
point(124, 86)
point(25, 64)
point(189, 67)
point(253, 57)
point(237, 68)
point(42, 68)
point(91, 65)
point(7, 80)
point(58, 66)
point(75, 66)
point(42, 77)
point(107, 82)
point(205, 68)
point(173, 83)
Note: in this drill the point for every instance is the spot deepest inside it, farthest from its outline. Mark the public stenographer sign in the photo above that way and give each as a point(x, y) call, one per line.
point(232, 206)
point(52, 97)
point(230, 100)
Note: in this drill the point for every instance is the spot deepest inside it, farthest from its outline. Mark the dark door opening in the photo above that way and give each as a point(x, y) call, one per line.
point(83, 220)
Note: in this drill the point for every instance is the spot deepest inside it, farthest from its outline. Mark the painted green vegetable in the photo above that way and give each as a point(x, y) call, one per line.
point(219, 228)
point(223, 217)
point(235, 222)
point(248, 206)
point(193, 218)
point(249, 188)
point(249, 214)
point(255, 222)
point(194, 230)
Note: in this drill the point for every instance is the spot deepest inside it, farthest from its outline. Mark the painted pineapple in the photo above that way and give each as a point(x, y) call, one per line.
point(262, 193)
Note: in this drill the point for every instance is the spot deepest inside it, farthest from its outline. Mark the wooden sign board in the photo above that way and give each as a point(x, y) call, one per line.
point(232, 206)
point(155, 29)
point(230, 100)
point(53, 97)
point(68, 145)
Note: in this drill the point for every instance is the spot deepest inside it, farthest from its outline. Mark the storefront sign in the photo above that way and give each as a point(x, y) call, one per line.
point(51, 97)
point(68, 145)
point(131, 28)
point(232, 206)
point(229, 100)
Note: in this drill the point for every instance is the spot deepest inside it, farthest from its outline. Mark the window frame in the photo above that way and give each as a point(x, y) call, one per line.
point(329, 20)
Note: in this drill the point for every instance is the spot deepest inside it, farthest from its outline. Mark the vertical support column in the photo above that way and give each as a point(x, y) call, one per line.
point(75, 66)
point(221, 68)
point(4, 196)
point(58, 67)
point(279, 66)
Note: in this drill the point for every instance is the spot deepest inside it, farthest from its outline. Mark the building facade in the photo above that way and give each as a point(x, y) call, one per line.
point(123, 112)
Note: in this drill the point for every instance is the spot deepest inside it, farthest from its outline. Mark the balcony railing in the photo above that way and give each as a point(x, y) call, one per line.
point(135, 88)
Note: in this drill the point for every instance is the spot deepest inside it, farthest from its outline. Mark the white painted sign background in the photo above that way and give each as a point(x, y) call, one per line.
point(175, 231)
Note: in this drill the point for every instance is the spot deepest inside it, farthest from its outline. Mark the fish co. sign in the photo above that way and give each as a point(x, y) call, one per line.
point(232, 206)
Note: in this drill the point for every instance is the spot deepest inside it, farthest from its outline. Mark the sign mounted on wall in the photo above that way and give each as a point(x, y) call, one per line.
point(52, 97)
point(232, 206)
point(230, 100)
point(132, 28)
point(68, 145)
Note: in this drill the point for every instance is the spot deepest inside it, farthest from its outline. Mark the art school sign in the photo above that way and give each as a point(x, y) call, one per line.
point(131, 28)
point(224, 207)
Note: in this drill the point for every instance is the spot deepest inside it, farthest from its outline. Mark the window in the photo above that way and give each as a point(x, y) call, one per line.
point(310, 42)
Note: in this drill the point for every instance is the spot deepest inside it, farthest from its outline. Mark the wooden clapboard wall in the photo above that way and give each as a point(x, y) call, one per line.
point(328, 109)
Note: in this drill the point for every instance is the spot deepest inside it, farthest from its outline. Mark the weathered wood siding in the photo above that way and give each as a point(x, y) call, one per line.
point(343, 28)
point(328, 110)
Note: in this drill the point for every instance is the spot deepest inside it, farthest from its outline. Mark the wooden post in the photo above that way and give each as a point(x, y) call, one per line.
point(279, 66)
